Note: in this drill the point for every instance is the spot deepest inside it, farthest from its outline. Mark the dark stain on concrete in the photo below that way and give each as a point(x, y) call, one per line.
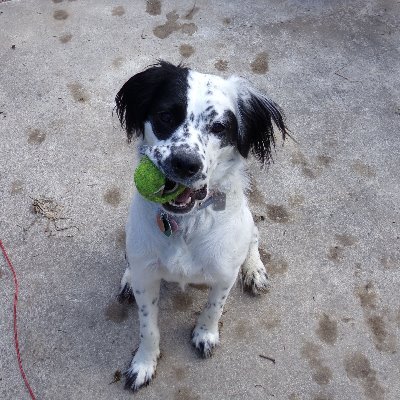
point(186, 50)
point(327, 329)
point(277, 213)
point(221, 65)
point(172, 25)
point(277, 267)
point(199, 286)
point(16, 187)
point(346, 240)
point(179, 373)
point(182, 301)
point(78, 92)
point(120, 239)
point(241, 329)
point(390, 262)
point(185, 393)
point(227, 21)
point(60, 15)
point(189, 16)
point(117, 62)
point(321, 373)
point(363, 169)
point(296, 200)
point(378, 329)
point(118, 11)
point(113, 196)
point(299, 159)
point(65, 38)
point(324, 161)
point(57, 1)
point(335, 253)
point(117, 312)
point(322, 396)
point(265, 256)
point(358, 367)
point(271, 322)
point(153, 7)
point(189, 29)
point(256, 197)
point(36, 136)
point(367, 296)
point(260, 63)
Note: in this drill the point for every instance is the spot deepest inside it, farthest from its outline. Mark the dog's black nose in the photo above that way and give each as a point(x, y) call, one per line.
point(185, 164)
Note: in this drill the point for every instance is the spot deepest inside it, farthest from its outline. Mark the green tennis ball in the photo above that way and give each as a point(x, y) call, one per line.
point(150, 183)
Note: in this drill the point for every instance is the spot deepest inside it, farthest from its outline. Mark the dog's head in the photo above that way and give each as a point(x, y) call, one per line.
point(196, 126)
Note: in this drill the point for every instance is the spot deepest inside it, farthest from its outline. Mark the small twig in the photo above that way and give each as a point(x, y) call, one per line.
point(268, 358)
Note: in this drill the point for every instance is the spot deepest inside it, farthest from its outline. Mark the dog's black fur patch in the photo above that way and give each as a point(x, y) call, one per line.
point(157, 94)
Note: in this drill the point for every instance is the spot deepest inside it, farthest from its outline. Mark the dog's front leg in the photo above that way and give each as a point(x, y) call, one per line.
point(205, 335)
point(144, 362)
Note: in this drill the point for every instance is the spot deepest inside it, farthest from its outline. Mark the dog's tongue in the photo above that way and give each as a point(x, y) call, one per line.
point(183, 197)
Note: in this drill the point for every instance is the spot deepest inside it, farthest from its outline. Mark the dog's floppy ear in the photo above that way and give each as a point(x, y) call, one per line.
point(256, 115)
point(135, 97)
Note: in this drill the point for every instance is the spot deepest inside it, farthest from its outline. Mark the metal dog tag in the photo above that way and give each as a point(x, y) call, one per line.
point(219, 202)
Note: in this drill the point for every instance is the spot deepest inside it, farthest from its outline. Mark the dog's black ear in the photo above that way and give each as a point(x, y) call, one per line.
point(257, 116)
point(136, 95)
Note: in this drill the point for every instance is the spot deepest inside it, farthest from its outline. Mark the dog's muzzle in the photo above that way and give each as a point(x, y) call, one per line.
point(186, 200)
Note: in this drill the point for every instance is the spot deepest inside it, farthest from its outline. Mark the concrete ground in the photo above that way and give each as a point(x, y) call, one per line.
point(327, 209)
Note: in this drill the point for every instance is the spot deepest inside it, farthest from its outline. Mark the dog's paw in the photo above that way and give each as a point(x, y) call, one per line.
point(204, 341)
point(125, 294)
point(141, 371)
point(256, 280)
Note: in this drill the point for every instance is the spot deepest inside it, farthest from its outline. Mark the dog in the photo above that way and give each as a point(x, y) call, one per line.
point(198, 129)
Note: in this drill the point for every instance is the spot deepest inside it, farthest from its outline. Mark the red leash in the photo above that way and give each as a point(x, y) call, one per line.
point(15, 321)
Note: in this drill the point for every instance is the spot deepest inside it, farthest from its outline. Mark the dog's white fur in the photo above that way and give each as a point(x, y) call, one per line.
point(210, 246)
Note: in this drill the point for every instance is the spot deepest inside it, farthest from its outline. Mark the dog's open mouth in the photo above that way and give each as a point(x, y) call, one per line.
point(185, 201)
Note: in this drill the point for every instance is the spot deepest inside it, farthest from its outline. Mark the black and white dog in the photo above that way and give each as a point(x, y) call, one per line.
point(198, 129)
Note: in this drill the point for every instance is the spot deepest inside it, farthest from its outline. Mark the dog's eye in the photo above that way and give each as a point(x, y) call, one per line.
point(217, 127)
point(165, 117)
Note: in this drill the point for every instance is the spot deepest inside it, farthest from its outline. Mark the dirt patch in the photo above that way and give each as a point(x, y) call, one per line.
point(186, 50)
point(153, 7)
point(260, 63)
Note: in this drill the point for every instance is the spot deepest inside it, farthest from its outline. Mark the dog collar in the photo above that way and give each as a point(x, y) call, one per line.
point(167, 223)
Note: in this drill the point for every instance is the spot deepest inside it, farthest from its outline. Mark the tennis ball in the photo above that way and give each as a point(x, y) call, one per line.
point(150, 183)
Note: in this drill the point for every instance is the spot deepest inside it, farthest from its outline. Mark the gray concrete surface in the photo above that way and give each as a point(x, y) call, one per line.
point(327, 209)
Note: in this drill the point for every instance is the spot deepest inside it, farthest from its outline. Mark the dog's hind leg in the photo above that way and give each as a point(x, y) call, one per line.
point(255, 278)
